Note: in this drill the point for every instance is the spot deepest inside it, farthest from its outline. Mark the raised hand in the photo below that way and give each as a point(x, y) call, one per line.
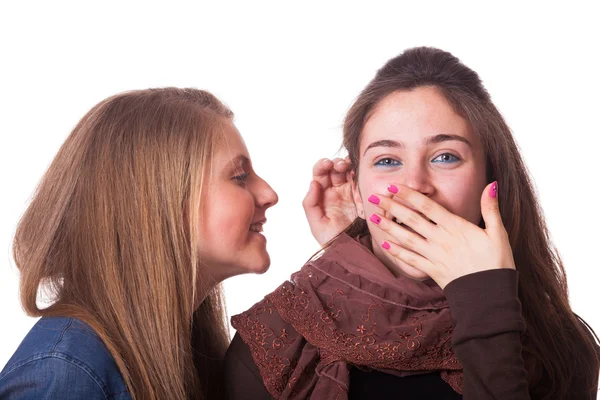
point(441, 244)
point(328, 205)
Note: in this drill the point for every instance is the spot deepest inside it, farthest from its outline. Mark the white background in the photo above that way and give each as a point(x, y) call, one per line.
point(289, 72)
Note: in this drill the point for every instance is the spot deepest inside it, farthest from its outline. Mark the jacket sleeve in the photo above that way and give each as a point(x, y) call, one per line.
point(242, 377)
point(50, 377)
point(488, 323)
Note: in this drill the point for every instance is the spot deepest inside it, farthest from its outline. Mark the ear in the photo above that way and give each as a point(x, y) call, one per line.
point(360, 211)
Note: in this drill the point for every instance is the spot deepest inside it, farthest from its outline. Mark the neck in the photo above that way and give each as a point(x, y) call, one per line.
point(204, 285)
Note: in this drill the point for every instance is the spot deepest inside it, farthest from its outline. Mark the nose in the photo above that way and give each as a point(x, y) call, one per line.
point(417, 178)
point(265, 195)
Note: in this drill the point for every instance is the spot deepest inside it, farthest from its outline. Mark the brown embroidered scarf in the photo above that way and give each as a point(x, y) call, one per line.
point(345, 308)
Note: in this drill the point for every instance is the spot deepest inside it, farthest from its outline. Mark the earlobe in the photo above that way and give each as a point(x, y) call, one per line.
point(357, 198)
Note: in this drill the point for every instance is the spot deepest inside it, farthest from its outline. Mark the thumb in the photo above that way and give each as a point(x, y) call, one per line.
point(489, 208)
point(311, 205)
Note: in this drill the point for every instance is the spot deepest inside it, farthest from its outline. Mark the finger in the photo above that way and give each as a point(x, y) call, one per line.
point(311, 203)
point(338, 174)
point(409, 257)
point(321, 172)
point(490, 210)
point(341, 165)
point(423, 204)
point(401, 235)
point(406, 216)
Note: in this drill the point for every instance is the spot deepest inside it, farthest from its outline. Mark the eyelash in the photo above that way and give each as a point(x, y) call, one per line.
point(241, 179)
point(390, 162)
point(456, 158)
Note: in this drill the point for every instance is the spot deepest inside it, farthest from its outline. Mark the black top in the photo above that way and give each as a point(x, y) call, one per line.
point(363, 385)
point(379, 385)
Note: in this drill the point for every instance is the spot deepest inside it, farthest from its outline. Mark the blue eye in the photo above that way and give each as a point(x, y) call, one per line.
point(242, 178)
point(388, 162)
point(446, 158)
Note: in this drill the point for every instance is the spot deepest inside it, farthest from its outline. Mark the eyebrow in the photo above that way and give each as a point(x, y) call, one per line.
point(429, 140)
point(444, 137)
point(240, 159)
point(236, 162)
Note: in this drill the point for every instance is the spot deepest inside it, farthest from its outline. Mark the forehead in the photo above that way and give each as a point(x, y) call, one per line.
point(411, 116)
point(229, 143)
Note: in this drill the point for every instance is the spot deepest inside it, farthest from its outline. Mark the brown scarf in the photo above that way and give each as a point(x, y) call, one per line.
point(346, 308)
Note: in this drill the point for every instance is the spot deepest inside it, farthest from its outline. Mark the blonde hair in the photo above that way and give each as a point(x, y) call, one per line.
point(109, 235)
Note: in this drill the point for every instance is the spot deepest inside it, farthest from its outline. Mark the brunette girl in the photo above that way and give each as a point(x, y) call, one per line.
point(446, 284)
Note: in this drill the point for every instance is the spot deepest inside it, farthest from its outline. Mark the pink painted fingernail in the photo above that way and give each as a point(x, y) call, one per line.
point(393, 189)
point(494, 190)
point(375, 219)
point(385, 245)
point(374, 199)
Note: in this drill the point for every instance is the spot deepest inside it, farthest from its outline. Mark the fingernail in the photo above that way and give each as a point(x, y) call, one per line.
point(393, 189)
point(385, 245)
point(375, 219)
point(374, 199)
point(494, 190)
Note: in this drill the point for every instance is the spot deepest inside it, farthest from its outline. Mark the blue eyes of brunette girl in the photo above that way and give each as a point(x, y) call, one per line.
point(388, 162)
point(445, 158)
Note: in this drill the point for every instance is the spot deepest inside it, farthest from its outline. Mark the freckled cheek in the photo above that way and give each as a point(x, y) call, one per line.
point(373, 184)
point(462, 197)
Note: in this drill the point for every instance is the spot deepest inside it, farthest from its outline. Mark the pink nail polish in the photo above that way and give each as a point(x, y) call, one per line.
point(374, 199)
point(385, 245)
point(494, 190)
point(375, 219)
point(393, 189)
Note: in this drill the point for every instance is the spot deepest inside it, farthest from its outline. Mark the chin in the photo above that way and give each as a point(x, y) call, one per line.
point(260, 265)
point(261, 269)
point(411, 272)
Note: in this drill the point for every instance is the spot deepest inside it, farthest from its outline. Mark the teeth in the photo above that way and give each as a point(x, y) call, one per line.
point(256, 228)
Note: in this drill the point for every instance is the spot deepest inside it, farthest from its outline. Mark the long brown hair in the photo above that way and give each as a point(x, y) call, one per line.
point(109, 235)
point(554, 333)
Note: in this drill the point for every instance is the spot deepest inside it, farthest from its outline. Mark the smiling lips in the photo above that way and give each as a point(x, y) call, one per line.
point(257, 227)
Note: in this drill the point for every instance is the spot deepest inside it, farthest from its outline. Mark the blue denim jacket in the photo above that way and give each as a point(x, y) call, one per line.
point(62, 358)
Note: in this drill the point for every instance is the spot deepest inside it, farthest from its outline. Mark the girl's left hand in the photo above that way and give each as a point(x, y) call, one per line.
point(328, 204)
point(445, 246)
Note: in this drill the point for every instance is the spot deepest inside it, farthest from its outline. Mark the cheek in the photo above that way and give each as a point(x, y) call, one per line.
point(369, 184)
point(226, 216)
point(462, 196)
point(235, 215)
